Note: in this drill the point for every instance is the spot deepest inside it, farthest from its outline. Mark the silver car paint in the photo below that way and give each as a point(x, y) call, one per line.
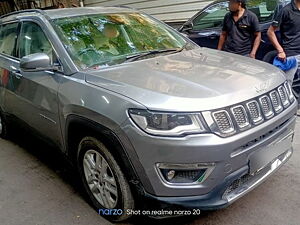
point(201, 79)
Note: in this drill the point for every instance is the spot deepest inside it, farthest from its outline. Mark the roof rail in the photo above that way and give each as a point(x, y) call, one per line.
point(23, 11)
point(123, 6)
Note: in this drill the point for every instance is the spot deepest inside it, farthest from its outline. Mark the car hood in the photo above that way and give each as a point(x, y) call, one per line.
point(194, 80)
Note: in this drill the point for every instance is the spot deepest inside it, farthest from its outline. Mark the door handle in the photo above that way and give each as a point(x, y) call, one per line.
point(213, 36)
point(16, 72)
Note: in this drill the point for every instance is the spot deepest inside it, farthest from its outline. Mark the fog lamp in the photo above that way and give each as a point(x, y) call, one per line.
point(184, 174)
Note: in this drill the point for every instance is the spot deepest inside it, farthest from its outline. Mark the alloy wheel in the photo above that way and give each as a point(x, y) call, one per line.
point(100, 179)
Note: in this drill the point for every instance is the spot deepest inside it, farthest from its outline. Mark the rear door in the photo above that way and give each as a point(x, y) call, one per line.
point(9, 76)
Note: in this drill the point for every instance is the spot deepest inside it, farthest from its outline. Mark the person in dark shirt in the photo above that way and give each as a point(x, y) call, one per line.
point(241, 31)
point(288, 22)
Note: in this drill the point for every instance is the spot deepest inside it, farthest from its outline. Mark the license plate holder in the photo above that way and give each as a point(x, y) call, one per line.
point(261, 158)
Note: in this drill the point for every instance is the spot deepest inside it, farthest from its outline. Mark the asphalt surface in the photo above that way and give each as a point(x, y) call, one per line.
point(37, 187)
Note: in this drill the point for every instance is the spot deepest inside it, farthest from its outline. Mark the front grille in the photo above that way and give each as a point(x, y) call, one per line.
point(223, 121)
point(237, 184)
point(253, 112)
point(259, 139)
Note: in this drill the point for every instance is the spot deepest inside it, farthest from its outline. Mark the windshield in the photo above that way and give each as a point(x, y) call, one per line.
point(108, 39)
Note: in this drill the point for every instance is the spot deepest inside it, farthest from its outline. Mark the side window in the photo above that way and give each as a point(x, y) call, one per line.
point(264, 10)
point(8, 37)
point(1, 38)
point(211, 17)
point(33, 40)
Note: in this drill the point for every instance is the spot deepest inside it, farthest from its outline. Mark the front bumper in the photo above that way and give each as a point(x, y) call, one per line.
point(234, 186)
point(230, 178)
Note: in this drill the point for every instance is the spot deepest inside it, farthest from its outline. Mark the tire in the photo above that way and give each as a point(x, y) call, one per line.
point(3, 127)
point(93, 158)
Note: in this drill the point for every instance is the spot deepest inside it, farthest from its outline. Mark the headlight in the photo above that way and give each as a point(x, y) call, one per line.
point(168, 124)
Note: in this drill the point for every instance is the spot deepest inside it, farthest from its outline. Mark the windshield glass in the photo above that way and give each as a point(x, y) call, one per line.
point(108, 39)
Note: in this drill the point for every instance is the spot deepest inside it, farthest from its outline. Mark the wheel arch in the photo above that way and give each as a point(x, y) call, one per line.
point(78, 127)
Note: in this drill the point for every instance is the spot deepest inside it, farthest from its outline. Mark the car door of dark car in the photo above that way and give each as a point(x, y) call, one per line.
point(206, 27)
point(36, 92)
point(265, 11)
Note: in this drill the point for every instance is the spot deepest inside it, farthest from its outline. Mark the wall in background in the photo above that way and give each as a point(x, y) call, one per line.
point(171, 11)
point(7, 6)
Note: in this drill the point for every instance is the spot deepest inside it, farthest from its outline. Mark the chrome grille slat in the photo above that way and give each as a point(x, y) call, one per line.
point(223, 121)
point(283, 96)
point(255, 112)
point(276, 101)
point(240, 116)
point(266, 106)
point(289, 92)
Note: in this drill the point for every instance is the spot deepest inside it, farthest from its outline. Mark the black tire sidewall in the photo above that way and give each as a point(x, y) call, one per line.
point(4, 127)
point(88, 144)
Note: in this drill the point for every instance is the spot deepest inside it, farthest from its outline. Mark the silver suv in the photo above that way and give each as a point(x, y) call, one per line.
point(141, 111)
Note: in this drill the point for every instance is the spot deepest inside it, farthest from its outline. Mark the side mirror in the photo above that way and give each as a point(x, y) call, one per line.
point(35, 62)
point(186, 27)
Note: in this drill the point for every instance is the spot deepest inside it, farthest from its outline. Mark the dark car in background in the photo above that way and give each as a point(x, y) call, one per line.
point(205, 27)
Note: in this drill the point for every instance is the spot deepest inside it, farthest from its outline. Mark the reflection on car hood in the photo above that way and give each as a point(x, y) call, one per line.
point(200, 79)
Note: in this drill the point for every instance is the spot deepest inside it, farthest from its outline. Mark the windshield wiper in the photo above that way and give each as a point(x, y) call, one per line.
point(131, 58)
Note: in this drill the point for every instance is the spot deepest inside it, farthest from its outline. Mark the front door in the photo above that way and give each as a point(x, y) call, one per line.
point(36, 92)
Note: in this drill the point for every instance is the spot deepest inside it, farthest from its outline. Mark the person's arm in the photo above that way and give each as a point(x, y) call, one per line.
point(224, 34)
point(222, 40)
point(256, 44)
point(272, 36)
point(257, 36)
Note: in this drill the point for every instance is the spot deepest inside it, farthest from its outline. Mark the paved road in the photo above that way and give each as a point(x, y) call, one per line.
point(37, 188)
